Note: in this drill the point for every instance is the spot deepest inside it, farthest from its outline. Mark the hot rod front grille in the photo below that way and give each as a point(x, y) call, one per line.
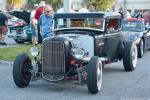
point(53, 59)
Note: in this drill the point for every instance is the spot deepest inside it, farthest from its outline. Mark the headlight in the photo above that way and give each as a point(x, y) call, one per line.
point(78, 53)
point(34, 51)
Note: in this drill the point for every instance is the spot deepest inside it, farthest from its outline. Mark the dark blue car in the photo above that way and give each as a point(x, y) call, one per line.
point(139, 31)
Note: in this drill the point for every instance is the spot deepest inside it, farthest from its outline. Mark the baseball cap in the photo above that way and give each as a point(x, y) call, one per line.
point(42, 3)
point(36, 5)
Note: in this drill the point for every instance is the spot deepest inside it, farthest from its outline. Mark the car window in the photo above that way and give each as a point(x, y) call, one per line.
point(113, 25)
point(135, 26)
point(95, 23)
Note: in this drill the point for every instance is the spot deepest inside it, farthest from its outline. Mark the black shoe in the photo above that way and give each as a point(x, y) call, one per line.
point(36, 44)
point(3, 43)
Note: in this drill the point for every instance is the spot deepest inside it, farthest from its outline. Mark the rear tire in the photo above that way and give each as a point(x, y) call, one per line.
point(141, 49)
point(21, 67)
point(130, 56)
point(94, 75)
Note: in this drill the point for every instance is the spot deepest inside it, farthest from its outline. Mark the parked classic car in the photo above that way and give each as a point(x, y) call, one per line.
point(83, 43)
point(19, 28)
point(140, 31)
point(137, 15)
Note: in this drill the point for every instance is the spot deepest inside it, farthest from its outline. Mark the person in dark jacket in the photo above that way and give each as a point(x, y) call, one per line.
point(3, 27)
point(121, 13)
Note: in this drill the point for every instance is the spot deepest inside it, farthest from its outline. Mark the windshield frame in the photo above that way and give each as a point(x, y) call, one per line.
point(85, 20)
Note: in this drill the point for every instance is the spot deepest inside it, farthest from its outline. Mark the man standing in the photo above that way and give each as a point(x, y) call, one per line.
point(3, 27)
point(91, 8)
point(40, 10)
point(38, 13)
point(121, 13)
point(46, 22)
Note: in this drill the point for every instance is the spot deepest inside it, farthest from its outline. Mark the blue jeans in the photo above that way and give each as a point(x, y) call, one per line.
point(34, 34)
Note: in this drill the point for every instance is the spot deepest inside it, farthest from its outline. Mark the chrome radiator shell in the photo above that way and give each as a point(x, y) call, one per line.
point(53, 60)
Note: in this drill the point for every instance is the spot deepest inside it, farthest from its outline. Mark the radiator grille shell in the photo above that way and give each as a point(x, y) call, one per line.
point(53, 60)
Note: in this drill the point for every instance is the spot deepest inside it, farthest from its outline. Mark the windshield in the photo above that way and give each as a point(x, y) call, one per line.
point(94, 23)
point(135, 26)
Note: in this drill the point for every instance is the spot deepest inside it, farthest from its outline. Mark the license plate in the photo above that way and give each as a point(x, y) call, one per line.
point(19, 31)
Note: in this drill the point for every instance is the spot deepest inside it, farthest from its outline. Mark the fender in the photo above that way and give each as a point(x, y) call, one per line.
point(133, 37)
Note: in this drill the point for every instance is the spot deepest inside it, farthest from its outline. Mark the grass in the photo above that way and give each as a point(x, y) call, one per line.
point(10, 53)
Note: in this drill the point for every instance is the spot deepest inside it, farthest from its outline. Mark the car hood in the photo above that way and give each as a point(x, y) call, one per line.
point(21, 14)
point(83, 41)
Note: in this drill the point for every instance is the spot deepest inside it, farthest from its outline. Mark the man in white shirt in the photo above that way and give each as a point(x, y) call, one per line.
point(84, 9)
point(60, 20)
point(61, 10)
point(128, 14)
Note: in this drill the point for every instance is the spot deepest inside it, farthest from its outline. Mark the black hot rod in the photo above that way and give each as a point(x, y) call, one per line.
point(82, 45)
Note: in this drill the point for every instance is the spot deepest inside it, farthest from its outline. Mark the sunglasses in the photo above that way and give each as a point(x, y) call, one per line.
point(49, 11)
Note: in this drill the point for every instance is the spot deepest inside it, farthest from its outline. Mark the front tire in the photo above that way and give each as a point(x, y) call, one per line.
point(130, 56)
point(21, 67)
point(19, 41)
point(94, 75)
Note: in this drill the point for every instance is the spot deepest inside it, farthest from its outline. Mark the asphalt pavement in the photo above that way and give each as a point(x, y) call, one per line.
point(117, 85)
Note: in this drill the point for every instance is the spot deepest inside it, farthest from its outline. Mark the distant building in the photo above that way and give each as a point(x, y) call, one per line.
point(135, 5)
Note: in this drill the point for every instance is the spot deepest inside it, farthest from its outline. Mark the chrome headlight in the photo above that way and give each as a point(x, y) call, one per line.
point(34, 51)
point(77, 52)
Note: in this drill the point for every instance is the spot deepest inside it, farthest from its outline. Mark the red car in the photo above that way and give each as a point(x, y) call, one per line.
point(19, 28)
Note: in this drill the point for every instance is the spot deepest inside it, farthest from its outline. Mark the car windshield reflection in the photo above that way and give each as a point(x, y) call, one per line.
point(95, 23)
point(135, 26)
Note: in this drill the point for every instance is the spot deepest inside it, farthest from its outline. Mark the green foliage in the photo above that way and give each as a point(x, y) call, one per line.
point(101, 5)
point(54, 3)
point(9, 1)
point(10, 53)
point(30, 3)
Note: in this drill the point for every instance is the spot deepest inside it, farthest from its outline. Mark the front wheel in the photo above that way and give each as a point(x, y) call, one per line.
point(21, 70)
point(19, 41)
point(94, 75)
point(130, 56)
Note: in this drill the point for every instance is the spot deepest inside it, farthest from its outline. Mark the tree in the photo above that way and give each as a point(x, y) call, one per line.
point(9, 5)
point(30, 3)
point(54, 3)
point(101, 5)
